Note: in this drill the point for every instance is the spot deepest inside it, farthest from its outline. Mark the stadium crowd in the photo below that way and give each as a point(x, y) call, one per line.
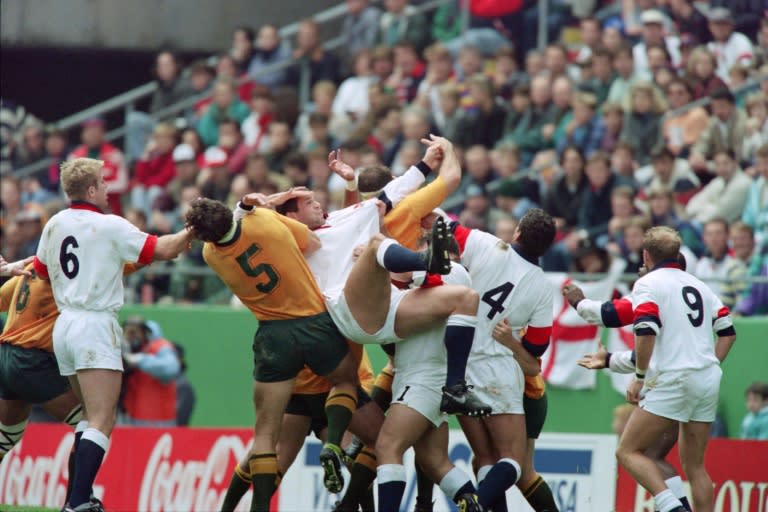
point(593, 128)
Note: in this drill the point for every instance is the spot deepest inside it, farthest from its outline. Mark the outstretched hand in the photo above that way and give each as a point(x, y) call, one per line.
point(596, 361)
point(16, 268)
point(338, 166)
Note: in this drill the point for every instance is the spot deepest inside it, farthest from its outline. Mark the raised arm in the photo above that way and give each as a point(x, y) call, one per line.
point(170, 246)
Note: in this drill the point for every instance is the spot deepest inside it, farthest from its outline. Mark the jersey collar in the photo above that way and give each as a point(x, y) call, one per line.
point(233, 239)
point(85, 205)
point(667, 264)
point(519, 250)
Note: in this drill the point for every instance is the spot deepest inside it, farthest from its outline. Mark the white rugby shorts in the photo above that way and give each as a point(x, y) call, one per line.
point(87, 340)
point(419, 396)
point(685, 395)
point(346, 323)
point(498, 381)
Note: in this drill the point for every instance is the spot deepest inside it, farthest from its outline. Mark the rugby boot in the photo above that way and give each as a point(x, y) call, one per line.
point(436, 257)
point(91, 506)
point(459, 399)
point(331, 459)
point(468, 503)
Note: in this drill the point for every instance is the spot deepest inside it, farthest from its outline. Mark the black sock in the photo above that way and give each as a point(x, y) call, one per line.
point(368, 504)
point(361, 477)
point(390, 496)
point(458, 343)
point(685, 503)
point(467, 488)
point(71, 465)
point(88, 458)
point(539, 496)
point(399, 259)
point(238, 486)
point(424, 490)
point(264, 473)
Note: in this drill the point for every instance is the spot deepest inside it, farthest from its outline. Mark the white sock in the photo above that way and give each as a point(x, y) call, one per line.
point(462, 320)
point(453, 480)
point(666, 501)
point(390, 473)
point(81, 426)
point(483, 472)
point(97, 437)
point(675, 484)
point(383, 246)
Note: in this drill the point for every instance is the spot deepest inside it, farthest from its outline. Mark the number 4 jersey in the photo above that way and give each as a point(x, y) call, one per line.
point(511, 287)
point(83, 252)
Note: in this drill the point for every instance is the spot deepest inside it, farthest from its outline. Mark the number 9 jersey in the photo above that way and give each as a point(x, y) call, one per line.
point(83, 251)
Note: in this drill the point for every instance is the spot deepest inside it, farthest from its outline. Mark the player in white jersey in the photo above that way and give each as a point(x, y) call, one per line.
point(83, 251)
point(677, 369)
point(414, 418)
point(511, 287)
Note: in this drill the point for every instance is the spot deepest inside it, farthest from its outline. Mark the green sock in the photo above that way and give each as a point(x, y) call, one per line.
point(238, 486)
point(264, 473)
point(339, 408)
point(424, 489)
point(362, 476)
point(539, 496)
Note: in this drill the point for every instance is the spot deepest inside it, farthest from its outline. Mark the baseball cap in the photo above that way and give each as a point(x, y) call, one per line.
point(653, 16)
point(720, 15)
point(183, 153)
point(215, 157)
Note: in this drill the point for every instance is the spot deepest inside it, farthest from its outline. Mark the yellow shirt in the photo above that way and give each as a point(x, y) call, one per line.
point(264, 267)
point(403, 222)
point(31, 311)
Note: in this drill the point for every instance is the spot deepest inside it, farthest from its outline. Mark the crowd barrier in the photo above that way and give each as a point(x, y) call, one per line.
point(188, 469)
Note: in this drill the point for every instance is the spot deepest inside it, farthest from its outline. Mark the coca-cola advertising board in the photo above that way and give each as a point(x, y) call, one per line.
point(739, 471)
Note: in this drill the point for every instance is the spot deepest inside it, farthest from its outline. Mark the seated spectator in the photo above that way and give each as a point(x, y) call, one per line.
point(583, 128)
point(755, 423)
point(664, 213)
point(385, 134)
point(506, 75)
point(626, 76)
point(30, 223)
point(226, 69)
point(590, 31)
point(563, 199)
point(505, 229)
point(723, 273)
point(689, 20)
point(201, 78)
point(214, 179)
point(382, 63)
point(602, 74)
point(279, 144)
point(297, 170)
point(258, 174)
point(185, 171)
point(725, 196)
point(242, 48)
point(478, 211)
point(659, 59)
point(231, 141)
point(527, 135)
point(448, 114)
point(439, 72)
point(407, 73)
point(755, 213)
point(738, 74)
point(323, 94)
point(725, 131)
point(653, 33)
point(623, 162)
point(56, 145)
point(155, 169)
point(700, 72)
point(730, 47)
point(95, 145)
point(269, 52)
point(485, 125)
point(518, 105)
point(477, 162)
point(742, 242)
point(673, 174)
point(360, 27)
point(683, 130)
point(225, 105)
point(562, 99)
point(350, 105)
point(321, 64)
point(754, 300)
point(628, 243)
point(415, 126)
point(642, 124)
point(761, 49)
point(32, 147)
point(613, 120)
point(255, 126)
point(622, 209)
point(401, 23)
point(534, 64)
point(152, 365)
point(516, 196)
point(612, 37)
point(756, 127)
point(556, 60)
point(505, 160)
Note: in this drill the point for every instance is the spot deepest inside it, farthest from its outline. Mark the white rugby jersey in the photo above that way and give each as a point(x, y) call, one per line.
point(683, 313)
point(422, 358)
point(511, 287)
point(83, 251)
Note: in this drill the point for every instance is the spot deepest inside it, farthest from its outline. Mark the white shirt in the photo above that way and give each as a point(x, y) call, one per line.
point(737, 49)
point(510, 287)
point(85, 251)
point(641, 57)
point(423, 356)
point(683, 313)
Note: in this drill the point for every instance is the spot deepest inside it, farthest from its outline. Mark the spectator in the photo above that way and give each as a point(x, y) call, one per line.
point(590, 37)
point(96, 146)
point(757, 125)
point(226, 69)
point(725, 131)
point(231, 141)
point(171, 86)
point(582, 128)
point(518, 105)
point(477, 161)
point(512, 196)
point(629, 243)
point(448, 115)
point(562, 99)
point(563, 199)
point(258, 174)
point(663, 213)
point(527, 135)
point(659, 59)
point(185, 170)
point(270, 51)
point(755, 423)
point(626, 76)
point(323, 94)
point(350, 105)
point(506, 75)
point(761, 49)
point(439, 72)
point(201, 77)
point(700, 71)
point(534, 64)
point(254, 127)
point(486, 125)
point(382, 63)
point(30, 225)
point(754, 301)
point(683, 130)
point(505, 159)
point(56, 144)
point(32, 147)
point(478, 210)
point(556, 60)
point(408, 72)
point(622, 209)
point(612, 38)
point(312, 58)
point(505, 229)
point(613, 120)
point(401, 22)
point(728, 46)
point(725, 196)
point(623, 162)
point(653, 33)
point(385, 133)
point(642, 124)
point(673, 174)
point(14, 119)
point(689, 20)
point(152, 366)
point(280, 144)
point(185, 393)
point(155, 169)
point(755, 213)
point(242, 50)
point(214, 179)
point(742, 242)
point(191, 138)
point(602, 74)
point(415, 126)
point(359, 27)
point(225, 105)
point(724, 273)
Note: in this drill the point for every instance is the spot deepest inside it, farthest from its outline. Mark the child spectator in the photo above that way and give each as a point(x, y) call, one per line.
point(755, 423)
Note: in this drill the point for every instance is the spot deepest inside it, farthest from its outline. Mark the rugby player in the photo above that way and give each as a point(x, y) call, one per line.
point(83, 251)
point(674, 317)
point(509, 282)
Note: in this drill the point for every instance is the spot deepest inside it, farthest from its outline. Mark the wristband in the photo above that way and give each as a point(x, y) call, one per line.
point(243, 206)
point(640, 375)
point(352, 185)
point(608, 360)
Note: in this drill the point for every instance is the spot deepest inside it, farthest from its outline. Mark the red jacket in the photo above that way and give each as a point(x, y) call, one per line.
point(146, 398)
point(158, 170)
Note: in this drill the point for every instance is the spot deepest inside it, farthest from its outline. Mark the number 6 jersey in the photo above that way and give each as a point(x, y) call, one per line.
point(511, 287)
point(83, 252)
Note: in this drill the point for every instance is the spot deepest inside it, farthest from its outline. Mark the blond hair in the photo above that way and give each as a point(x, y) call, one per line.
point(78, 175)
point(658, 105)
point(662, 243)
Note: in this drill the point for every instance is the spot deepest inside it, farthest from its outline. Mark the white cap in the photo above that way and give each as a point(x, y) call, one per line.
point(215, 157)
point(653, 16)
point(183, 153)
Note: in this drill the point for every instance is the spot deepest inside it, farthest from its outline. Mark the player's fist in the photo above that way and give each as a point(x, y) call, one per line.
point(434, 155)
point(633, 390)
point(573, 294)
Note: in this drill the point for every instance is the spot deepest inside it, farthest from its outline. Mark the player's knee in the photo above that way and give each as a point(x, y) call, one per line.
point(375, 241)
point(466, 300)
